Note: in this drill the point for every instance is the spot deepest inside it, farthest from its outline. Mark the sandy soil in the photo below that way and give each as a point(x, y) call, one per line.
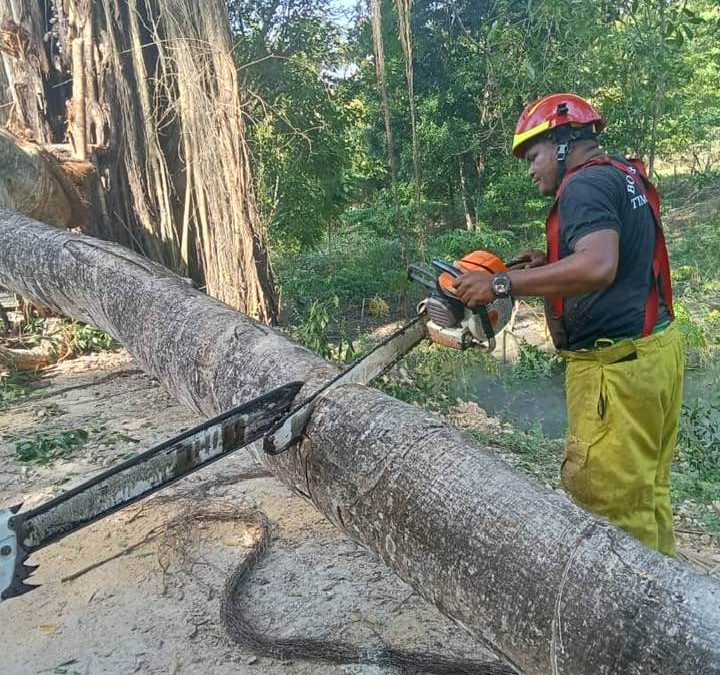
point(139, 591)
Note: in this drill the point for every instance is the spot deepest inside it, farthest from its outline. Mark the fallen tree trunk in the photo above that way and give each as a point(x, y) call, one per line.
point(548, 586)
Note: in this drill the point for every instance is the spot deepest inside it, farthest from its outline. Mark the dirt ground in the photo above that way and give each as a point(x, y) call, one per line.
point(139, 591)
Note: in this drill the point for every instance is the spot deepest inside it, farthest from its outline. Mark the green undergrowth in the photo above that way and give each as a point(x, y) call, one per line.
point(534, 363)
point(65, 337)
point(693, 236)
point(43, 448)
point(530, 450)
point(427, 376)
point(15, 386)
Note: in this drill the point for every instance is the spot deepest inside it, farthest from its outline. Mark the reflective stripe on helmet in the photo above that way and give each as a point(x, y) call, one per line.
point(525, 136)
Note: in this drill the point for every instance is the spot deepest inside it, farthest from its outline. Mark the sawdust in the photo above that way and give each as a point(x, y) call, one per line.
point(142, 588)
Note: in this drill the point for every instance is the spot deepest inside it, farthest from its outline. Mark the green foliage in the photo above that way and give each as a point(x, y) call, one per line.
point(388, 214)
point(535, 363)
point(510, 198)
point(693, 333)
point(530, 451)
point(454, 244)
point(33, 332)
point(699, 441)
point(299, 116)
point(695, 249)
point(434, 372)
point(671, 99)
point(315, 331)
point(316, 123)
point(66, 337)
point(13, 387)
point(45, 448)
point(358, 266)
point(81, 338)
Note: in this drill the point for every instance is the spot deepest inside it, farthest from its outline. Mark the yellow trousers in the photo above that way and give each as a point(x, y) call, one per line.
point(623, 404)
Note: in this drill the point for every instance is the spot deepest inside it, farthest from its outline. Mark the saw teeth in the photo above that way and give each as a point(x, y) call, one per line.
point(25, 588)
point(28, 570)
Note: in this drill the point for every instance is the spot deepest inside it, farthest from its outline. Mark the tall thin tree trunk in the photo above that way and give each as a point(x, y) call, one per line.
point(404, 10)
point(378, 48)
point(465, 197)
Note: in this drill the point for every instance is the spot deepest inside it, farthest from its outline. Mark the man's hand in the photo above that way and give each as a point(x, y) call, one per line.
point(474, 288)
point(534, 258)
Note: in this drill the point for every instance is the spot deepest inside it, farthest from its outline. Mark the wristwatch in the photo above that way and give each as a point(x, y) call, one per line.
point(501, 285)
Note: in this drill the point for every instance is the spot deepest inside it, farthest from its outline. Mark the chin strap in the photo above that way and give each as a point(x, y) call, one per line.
point(564, 136)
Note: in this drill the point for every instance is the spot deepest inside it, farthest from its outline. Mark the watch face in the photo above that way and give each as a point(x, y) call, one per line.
point(501, 285)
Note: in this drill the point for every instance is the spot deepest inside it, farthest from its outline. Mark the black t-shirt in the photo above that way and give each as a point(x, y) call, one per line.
point(598, 198)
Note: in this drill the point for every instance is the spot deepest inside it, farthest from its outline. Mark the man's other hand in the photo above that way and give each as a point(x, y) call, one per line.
point(474, 288)
point(534, 258)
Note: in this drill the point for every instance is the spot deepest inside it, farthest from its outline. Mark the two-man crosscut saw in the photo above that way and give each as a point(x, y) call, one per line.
point(272, 416)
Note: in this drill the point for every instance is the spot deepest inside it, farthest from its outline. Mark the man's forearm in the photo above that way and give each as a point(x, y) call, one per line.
point(575, 275)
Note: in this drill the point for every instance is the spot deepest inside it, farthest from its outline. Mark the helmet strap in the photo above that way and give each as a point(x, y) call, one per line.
point(561, 154)
point(565, 136)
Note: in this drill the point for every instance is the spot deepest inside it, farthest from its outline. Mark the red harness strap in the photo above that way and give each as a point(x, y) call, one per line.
point(660, 264)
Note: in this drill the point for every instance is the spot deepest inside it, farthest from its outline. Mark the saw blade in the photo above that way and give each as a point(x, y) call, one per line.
point(23, 533)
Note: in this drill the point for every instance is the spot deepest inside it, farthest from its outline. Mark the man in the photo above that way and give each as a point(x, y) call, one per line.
point(606, 283)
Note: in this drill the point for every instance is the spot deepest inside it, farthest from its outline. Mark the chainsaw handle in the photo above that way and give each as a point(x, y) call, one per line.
point(524, 260)
point(447, 267)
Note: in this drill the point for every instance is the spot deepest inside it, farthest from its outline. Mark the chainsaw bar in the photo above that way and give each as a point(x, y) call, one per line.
point(270, 415)
point(24, 533)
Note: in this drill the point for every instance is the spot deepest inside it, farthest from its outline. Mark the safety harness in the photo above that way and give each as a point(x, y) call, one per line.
point(660, 264)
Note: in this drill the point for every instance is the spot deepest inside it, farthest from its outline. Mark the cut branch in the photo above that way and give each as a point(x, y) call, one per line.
point(35, 183)
point(548, 586)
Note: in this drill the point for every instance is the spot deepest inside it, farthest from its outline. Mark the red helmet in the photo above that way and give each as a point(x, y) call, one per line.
point(550, 112)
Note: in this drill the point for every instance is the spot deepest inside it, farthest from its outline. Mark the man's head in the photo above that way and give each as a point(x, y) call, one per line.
point(544, 168)
point(547, 132)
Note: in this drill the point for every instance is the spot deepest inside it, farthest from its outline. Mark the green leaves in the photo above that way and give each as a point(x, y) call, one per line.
point(44, 448)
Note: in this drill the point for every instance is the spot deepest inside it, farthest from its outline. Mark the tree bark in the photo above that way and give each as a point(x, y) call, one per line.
point(25, 64)
point(34, 182)
point(549, 587)
point(155, 105)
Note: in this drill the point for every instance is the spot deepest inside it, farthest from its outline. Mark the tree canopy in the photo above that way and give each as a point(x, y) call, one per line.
point(318, 134)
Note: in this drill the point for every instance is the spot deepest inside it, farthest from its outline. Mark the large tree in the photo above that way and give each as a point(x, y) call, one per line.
point(145, 93)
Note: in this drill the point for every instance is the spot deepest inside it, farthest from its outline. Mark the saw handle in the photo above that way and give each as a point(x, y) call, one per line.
point(481, 310)
point(515, 262)
point(447, 267)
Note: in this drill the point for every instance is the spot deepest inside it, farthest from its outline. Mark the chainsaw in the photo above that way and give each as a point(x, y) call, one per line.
point(275, 417)
point(451, 323)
